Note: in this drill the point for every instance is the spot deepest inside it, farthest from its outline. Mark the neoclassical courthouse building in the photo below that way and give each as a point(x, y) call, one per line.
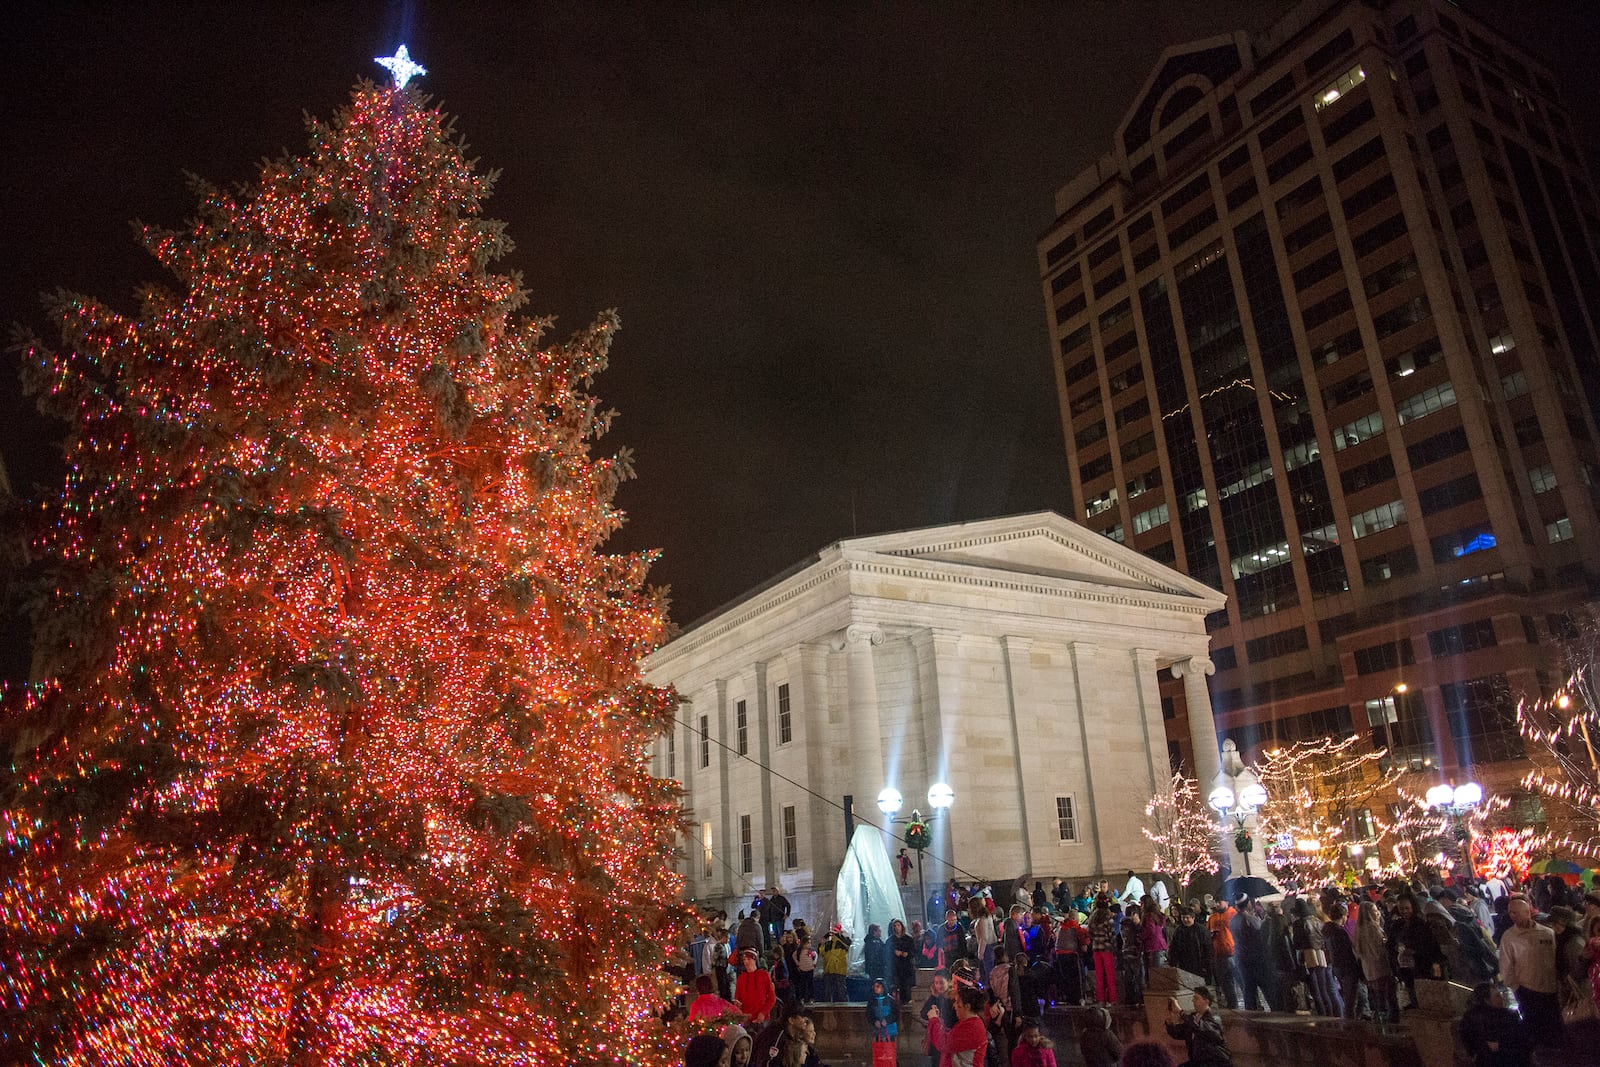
point(1016, 659)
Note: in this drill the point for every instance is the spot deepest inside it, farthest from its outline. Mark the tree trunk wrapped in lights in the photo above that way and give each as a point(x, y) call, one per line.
point(1312, 789)
point(340, 755)
point(1182, 830)
point(1562, 732)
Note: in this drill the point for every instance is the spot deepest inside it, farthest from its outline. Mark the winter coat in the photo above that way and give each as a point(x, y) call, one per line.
point(1341, 951)
point(1102, 931)
point(1483, 1024)
point(1026, 1055)
point(1372, 949)
point(1098, 1044)
point(962, 1045)
point(1190, 949)
point(755, 994)
point(1218, 924)
point(875, 956)
point(835, 953)
point(1153, 933)
point(903, 965)
point(748, 935)
point(1203, 1036)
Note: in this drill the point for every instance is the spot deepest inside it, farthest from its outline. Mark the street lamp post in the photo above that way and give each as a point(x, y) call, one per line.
point(1391, 715)
point(940, 797)
point(1237, 793)
point(1456, 801)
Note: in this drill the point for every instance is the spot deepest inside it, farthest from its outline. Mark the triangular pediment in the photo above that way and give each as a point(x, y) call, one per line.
point(1043, 544)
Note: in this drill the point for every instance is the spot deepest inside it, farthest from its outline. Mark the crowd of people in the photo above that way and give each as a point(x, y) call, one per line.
point(1531, 953)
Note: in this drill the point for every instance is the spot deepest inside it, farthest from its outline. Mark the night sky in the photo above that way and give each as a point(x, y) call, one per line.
point(817, 221)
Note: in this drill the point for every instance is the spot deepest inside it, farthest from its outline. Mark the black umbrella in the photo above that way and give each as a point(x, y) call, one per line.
point(1254, 888)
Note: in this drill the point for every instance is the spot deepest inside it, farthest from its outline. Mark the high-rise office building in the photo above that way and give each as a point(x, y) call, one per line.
point(1325, 318)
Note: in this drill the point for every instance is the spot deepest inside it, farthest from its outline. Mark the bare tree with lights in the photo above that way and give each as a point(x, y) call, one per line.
point(1562, 732)
point(1312, 786)
point(1182, 830)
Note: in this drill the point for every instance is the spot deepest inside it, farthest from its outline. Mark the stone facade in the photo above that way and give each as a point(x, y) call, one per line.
point(1016, 659)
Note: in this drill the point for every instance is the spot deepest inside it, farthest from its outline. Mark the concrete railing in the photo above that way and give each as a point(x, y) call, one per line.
point(1257, 1039)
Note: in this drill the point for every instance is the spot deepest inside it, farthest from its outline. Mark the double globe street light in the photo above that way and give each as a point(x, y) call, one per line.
point(1237, 794)
point(940, 797)
point(1456, 801)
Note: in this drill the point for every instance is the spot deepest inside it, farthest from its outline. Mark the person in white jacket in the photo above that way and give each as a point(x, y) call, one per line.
point(1133, 892)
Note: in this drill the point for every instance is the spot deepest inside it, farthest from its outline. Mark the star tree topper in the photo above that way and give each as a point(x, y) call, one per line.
point(401, 65)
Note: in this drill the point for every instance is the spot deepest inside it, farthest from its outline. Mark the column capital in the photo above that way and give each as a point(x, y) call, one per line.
point(856, 633)
point(1193, 666)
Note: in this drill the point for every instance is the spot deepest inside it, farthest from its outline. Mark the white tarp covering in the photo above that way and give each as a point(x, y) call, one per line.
point(867, 892)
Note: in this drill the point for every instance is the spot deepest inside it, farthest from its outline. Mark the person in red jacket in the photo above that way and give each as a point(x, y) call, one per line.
point(1033, 1048)
point(754, 992)
point(964, 1044)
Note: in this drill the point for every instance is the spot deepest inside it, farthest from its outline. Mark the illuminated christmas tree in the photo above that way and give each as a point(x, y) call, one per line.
point(1562, 732)
point(339, 755)
point(1183, 830)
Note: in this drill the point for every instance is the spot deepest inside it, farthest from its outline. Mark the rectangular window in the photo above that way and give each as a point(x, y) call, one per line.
point(1542, 479)
point(1455, 640)
point(1273, 645)
point(791, 839)
point(1385, 657)
point(747, 846)
point(1271, 94)
point(741, 718)
point(1146, 521)
point(1066, 820)
point(1289, 162)
point(1396, 564)
point(1398, 318)
point(1449, 494)
point(785, 723)
point(1439, 446)
point(705, 850)
point(1368, 197)
point(1357, 159)
point(1101, 504)
point(672, 752)
point(1316, 270)
point(1514, 385)
point(1426, 402)
point(1324, 310)
point(1348, 123)
point(1483, 720)
point(1376, 519)
point(1115, 315)
point(1340, 85)
point(1560, 530)
point(1464, 542)
point(705, 740)
point(1354, 432)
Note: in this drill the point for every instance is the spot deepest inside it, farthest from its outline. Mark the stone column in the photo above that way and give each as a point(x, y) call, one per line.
point(1085, 658)
point(1202, 720)
point(770, 862)
point(938, 687)
point(866, 745)
point(1155, 734)
point(733, 879)
point(1015, 651)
